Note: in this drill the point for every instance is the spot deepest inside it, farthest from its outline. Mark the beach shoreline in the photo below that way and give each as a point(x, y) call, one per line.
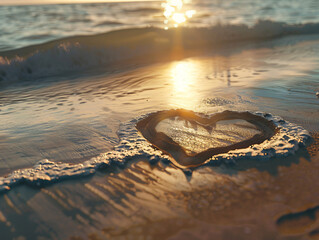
point(76, 117)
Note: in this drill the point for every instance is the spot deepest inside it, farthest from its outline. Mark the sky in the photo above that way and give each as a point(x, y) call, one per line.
point(29, 2)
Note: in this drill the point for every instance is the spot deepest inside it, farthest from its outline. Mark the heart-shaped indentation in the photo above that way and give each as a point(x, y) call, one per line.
point(191, 139)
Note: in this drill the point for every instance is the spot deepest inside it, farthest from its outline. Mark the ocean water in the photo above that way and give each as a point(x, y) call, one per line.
point(33, 24)
point(77, 79)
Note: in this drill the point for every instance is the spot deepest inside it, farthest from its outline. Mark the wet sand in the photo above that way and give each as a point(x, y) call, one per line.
point(72, 121)
point(248, 201)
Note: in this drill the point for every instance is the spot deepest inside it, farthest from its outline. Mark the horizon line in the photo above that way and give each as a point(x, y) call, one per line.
point(56, 2)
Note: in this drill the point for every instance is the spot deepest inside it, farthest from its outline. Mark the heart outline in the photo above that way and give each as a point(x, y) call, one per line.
point(179, 156)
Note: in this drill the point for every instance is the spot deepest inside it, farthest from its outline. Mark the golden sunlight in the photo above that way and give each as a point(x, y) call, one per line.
point(175, 12)
point(183, 79)
point(179, 18)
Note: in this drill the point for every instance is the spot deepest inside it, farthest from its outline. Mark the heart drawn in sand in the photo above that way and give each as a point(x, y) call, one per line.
point(190, 139)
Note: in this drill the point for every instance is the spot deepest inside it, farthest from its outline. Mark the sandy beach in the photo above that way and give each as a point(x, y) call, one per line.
point(73, 165)
point(141, 200)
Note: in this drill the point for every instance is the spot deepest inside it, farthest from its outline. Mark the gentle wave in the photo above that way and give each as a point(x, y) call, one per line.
point(109, 23)
point(132, 146)
point(144, 10)
point(80, 53)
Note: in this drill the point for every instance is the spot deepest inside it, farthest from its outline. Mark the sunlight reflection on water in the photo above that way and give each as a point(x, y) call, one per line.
point(176, 12)
point(183, 77)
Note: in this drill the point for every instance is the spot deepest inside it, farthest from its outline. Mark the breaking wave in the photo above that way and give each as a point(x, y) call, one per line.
point(82, 53)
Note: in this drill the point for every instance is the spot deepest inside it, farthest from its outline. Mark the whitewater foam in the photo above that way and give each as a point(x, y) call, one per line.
point(81, 53)
point(133, 146)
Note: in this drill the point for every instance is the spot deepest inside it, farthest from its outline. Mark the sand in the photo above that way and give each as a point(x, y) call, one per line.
point(75, 120)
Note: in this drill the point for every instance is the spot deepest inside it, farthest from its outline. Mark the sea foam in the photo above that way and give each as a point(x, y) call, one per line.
point(133, 146)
